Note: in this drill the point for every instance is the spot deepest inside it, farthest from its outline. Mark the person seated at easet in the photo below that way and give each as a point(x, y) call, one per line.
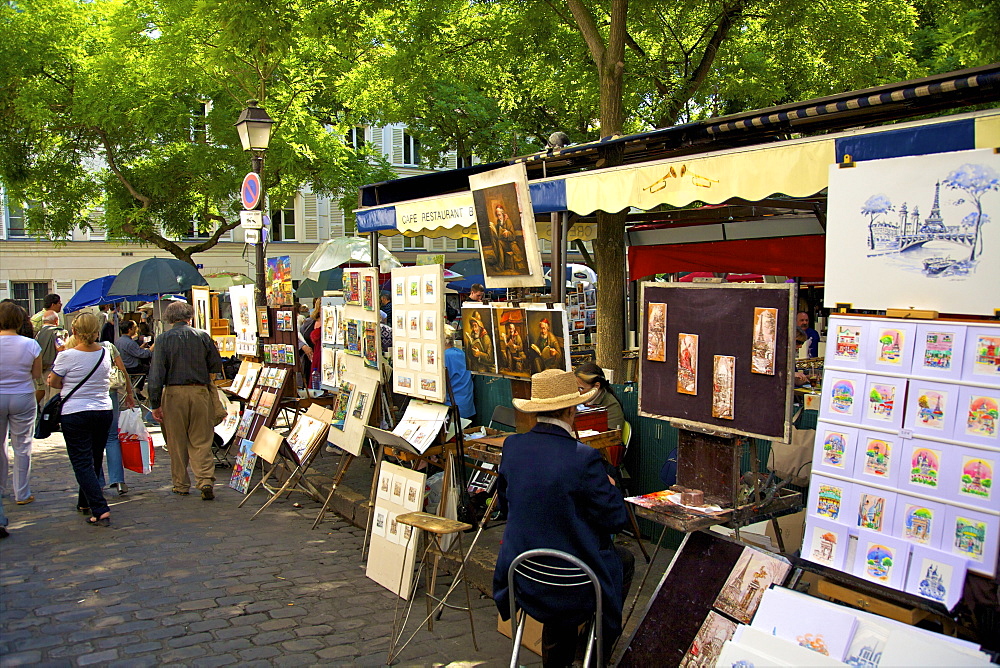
point(590, 376)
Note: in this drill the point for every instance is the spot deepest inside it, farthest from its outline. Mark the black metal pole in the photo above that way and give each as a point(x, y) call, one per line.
point(261, 292)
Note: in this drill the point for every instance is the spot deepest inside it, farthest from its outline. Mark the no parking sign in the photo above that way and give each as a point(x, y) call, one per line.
point(250, 191)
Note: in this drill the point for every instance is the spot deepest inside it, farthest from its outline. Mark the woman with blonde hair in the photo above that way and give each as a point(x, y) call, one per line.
point(82, 373)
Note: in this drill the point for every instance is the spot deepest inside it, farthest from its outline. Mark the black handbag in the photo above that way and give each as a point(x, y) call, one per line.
point(48, 422)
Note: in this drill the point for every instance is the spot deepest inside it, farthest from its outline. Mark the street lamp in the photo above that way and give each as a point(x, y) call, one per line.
point(254, 127)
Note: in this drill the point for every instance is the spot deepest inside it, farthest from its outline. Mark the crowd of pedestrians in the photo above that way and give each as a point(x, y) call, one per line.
point(93, 377)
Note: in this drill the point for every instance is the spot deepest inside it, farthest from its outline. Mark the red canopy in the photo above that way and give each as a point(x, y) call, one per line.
point(783, 256)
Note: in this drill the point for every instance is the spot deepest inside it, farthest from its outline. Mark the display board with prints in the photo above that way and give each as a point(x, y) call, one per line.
point(393, 549)
point(418, 345)
point(906, 454)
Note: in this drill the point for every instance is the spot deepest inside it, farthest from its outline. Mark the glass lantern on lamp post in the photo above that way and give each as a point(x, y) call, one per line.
point(254, 127)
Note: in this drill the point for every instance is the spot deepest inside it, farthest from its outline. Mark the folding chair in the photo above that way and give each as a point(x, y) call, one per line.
point(572, 572)
point(503, 416)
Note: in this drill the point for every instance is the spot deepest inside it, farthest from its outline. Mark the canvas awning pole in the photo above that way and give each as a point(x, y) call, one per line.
point(558, 259)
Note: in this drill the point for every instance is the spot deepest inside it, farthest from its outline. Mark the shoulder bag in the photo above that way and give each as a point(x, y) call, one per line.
point(117, 380)
point(52, 411)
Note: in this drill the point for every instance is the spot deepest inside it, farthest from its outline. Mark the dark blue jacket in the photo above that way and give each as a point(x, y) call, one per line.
point(559, 497)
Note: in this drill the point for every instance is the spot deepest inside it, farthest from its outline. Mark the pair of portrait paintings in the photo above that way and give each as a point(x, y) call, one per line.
point(761, 355)
point(514, 342)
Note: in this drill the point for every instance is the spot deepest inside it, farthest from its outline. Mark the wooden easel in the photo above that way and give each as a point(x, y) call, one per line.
point(295, 482)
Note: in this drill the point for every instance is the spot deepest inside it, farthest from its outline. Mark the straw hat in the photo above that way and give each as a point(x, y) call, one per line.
point(478, 319)
point(553, 390)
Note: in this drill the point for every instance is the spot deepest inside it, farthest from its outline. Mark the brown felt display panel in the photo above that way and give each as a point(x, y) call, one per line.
point(682, 600)
point(723, 317)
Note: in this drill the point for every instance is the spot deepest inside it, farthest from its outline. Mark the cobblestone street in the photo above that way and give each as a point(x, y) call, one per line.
point(179, 580)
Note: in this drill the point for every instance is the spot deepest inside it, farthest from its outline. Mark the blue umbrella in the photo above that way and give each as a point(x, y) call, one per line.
point(95, 293)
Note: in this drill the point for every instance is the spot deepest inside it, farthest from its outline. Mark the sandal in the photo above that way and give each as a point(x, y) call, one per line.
point(81, 509)
point(104, 521)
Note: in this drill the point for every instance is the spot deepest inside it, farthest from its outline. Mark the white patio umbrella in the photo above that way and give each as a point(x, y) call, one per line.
point(336, 252)
point(577, 273)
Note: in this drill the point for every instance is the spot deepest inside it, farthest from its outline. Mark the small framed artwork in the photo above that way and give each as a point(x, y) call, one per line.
point(938, 350)
point(400, 355)
point(930, 408)
point(656, 332)
point(846, 343)
point(687, 363)
point(285, 321)
point(392, 527)
point(873, 509)
point(263, 323)
point(835, 449)
point(765, 337)
point(922, 465)
point(890, 345)
point(398, 489)
point(982, 356)
point(936, 575)
point(883, 401)
point(969, 477)
point(881, 559)
point(919, 521)
point(825, 543)
point(379, 521)
point(429, 329)
point(431, 388)
point(399, 324)
point(413, 289)
point(413, 495)
point(829, 498)
point(972, 535)
point(415, 356)
point(429, 288)
point(432, 360)
point(843, 392)
point(878, 458)
point(404, 381)
point(398, 290)
point(352, 294)
point(413, 324)
point(976, 416)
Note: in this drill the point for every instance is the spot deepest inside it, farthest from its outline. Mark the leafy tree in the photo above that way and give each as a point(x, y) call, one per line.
point(874, 206)
point(976, 181)
point(108, 111)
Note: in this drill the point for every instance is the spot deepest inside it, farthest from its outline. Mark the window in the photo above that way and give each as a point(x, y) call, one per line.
point(283, 222)
point(411, 150)
point(196, 231)
point(29, 295)
point(413, 243)
point(465, 242)
point(355, 137)
point(15, 221)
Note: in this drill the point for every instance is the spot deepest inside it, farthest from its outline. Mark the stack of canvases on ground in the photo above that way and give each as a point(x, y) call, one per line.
point(907, 444)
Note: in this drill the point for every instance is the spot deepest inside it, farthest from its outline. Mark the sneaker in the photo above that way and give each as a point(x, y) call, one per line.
point(182, 492)
point(206, 493)
point(3, 532)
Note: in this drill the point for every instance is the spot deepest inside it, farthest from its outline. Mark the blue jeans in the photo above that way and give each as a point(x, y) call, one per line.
point(86, 433)
point(113, 449)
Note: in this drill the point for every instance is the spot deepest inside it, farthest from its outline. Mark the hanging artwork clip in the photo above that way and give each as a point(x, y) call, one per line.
point(846, 162)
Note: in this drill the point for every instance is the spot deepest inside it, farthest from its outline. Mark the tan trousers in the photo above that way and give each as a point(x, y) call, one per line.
point(188, 430)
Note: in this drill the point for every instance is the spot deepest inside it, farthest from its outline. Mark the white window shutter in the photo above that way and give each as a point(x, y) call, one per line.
point(375, 136)
point(310, 217)
point(397, 146)
point(337, 227)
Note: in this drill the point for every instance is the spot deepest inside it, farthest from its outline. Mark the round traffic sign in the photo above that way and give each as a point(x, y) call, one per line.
point(250, 191)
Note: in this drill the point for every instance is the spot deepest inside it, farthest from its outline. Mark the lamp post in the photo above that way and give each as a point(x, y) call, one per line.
point(254, 127)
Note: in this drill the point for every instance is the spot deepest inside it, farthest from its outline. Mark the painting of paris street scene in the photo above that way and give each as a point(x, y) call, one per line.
point(916, 232)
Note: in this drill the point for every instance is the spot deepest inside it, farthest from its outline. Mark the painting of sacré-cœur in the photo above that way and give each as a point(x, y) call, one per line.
point(916, 232)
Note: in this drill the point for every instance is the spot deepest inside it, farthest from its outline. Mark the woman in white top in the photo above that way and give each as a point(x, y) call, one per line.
point(20, 363)
point(87, 414)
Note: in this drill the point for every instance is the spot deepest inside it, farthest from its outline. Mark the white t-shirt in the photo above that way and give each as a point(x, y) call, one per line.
point(17, 354)
point(74, 365)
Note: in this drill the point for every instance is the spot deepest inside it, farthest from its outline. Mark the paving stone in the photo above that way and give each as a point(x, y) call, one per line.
point(258, 653)
point(235, 632)
point(142, 648)
point(293, 660)
point(288, 611)
point(188, 640)
point(231, 645)
point(276, 624)
point(214, 661)
point(302, 645)
point(97, 657)
point(318, 630)
point(22, 659)
point(270, 637)
point(208, 625)
point(182, 654)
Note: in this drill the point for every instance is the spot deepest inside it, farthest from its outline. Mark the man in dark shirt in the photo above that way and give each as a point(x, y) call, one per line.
point(135, 356)
point(50, 337)
point(179, 386)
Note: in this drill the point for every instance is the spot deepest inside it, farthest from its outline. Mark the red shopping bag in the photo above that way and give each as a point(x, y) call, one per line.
point(137, 444)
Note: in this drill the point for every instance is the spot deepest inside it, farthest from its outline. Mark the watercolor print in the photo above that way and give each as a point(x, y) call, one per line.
point(834, 448)
point(824, 545)
point(428, 385)
point(656, 337)
point(986, 355)
point(430, 290)
point(263, 323)
point(842, 397)
point(414, 319)
point(511, 343)
point(359, 405)
point(977, 478)
point(723, 386)
point(430, 358)
point(404, 382)
point(379, 518)
point(931, 408)
point(343, 403)
point(932, 577)
point(399, 324)
point(878, 457)
point(413, 495)
point(246, 460)
point(353, 338)
point(829, 501)
point(981, 419)
point(879, 562)
point(970, 537)
point(373, 345)
point(687, 363)
point(413, 289)
point(401, 354)
point(881, 400)
point(752, 575)
point(707, 645)
point(368, 293)
point(890, 346)
point(918, 523)
point(916, 227)
point(398, 290)
point(938, 350)
point(765, 339)
point(925, 467)
point(353, 296)
point(415, 355)
point(430, 330)
point(848, 343)
point(328, 366)
point(329, 334)
point(871, 511)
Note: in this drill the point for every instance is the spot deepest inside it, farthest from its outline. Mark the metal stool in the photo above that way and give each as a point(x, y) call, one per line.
point(436, 528)
point(574, 573)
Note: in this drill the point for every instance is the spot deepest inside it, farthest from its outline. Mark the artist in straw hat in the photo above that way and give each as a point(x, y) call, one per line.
point(560, 497)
